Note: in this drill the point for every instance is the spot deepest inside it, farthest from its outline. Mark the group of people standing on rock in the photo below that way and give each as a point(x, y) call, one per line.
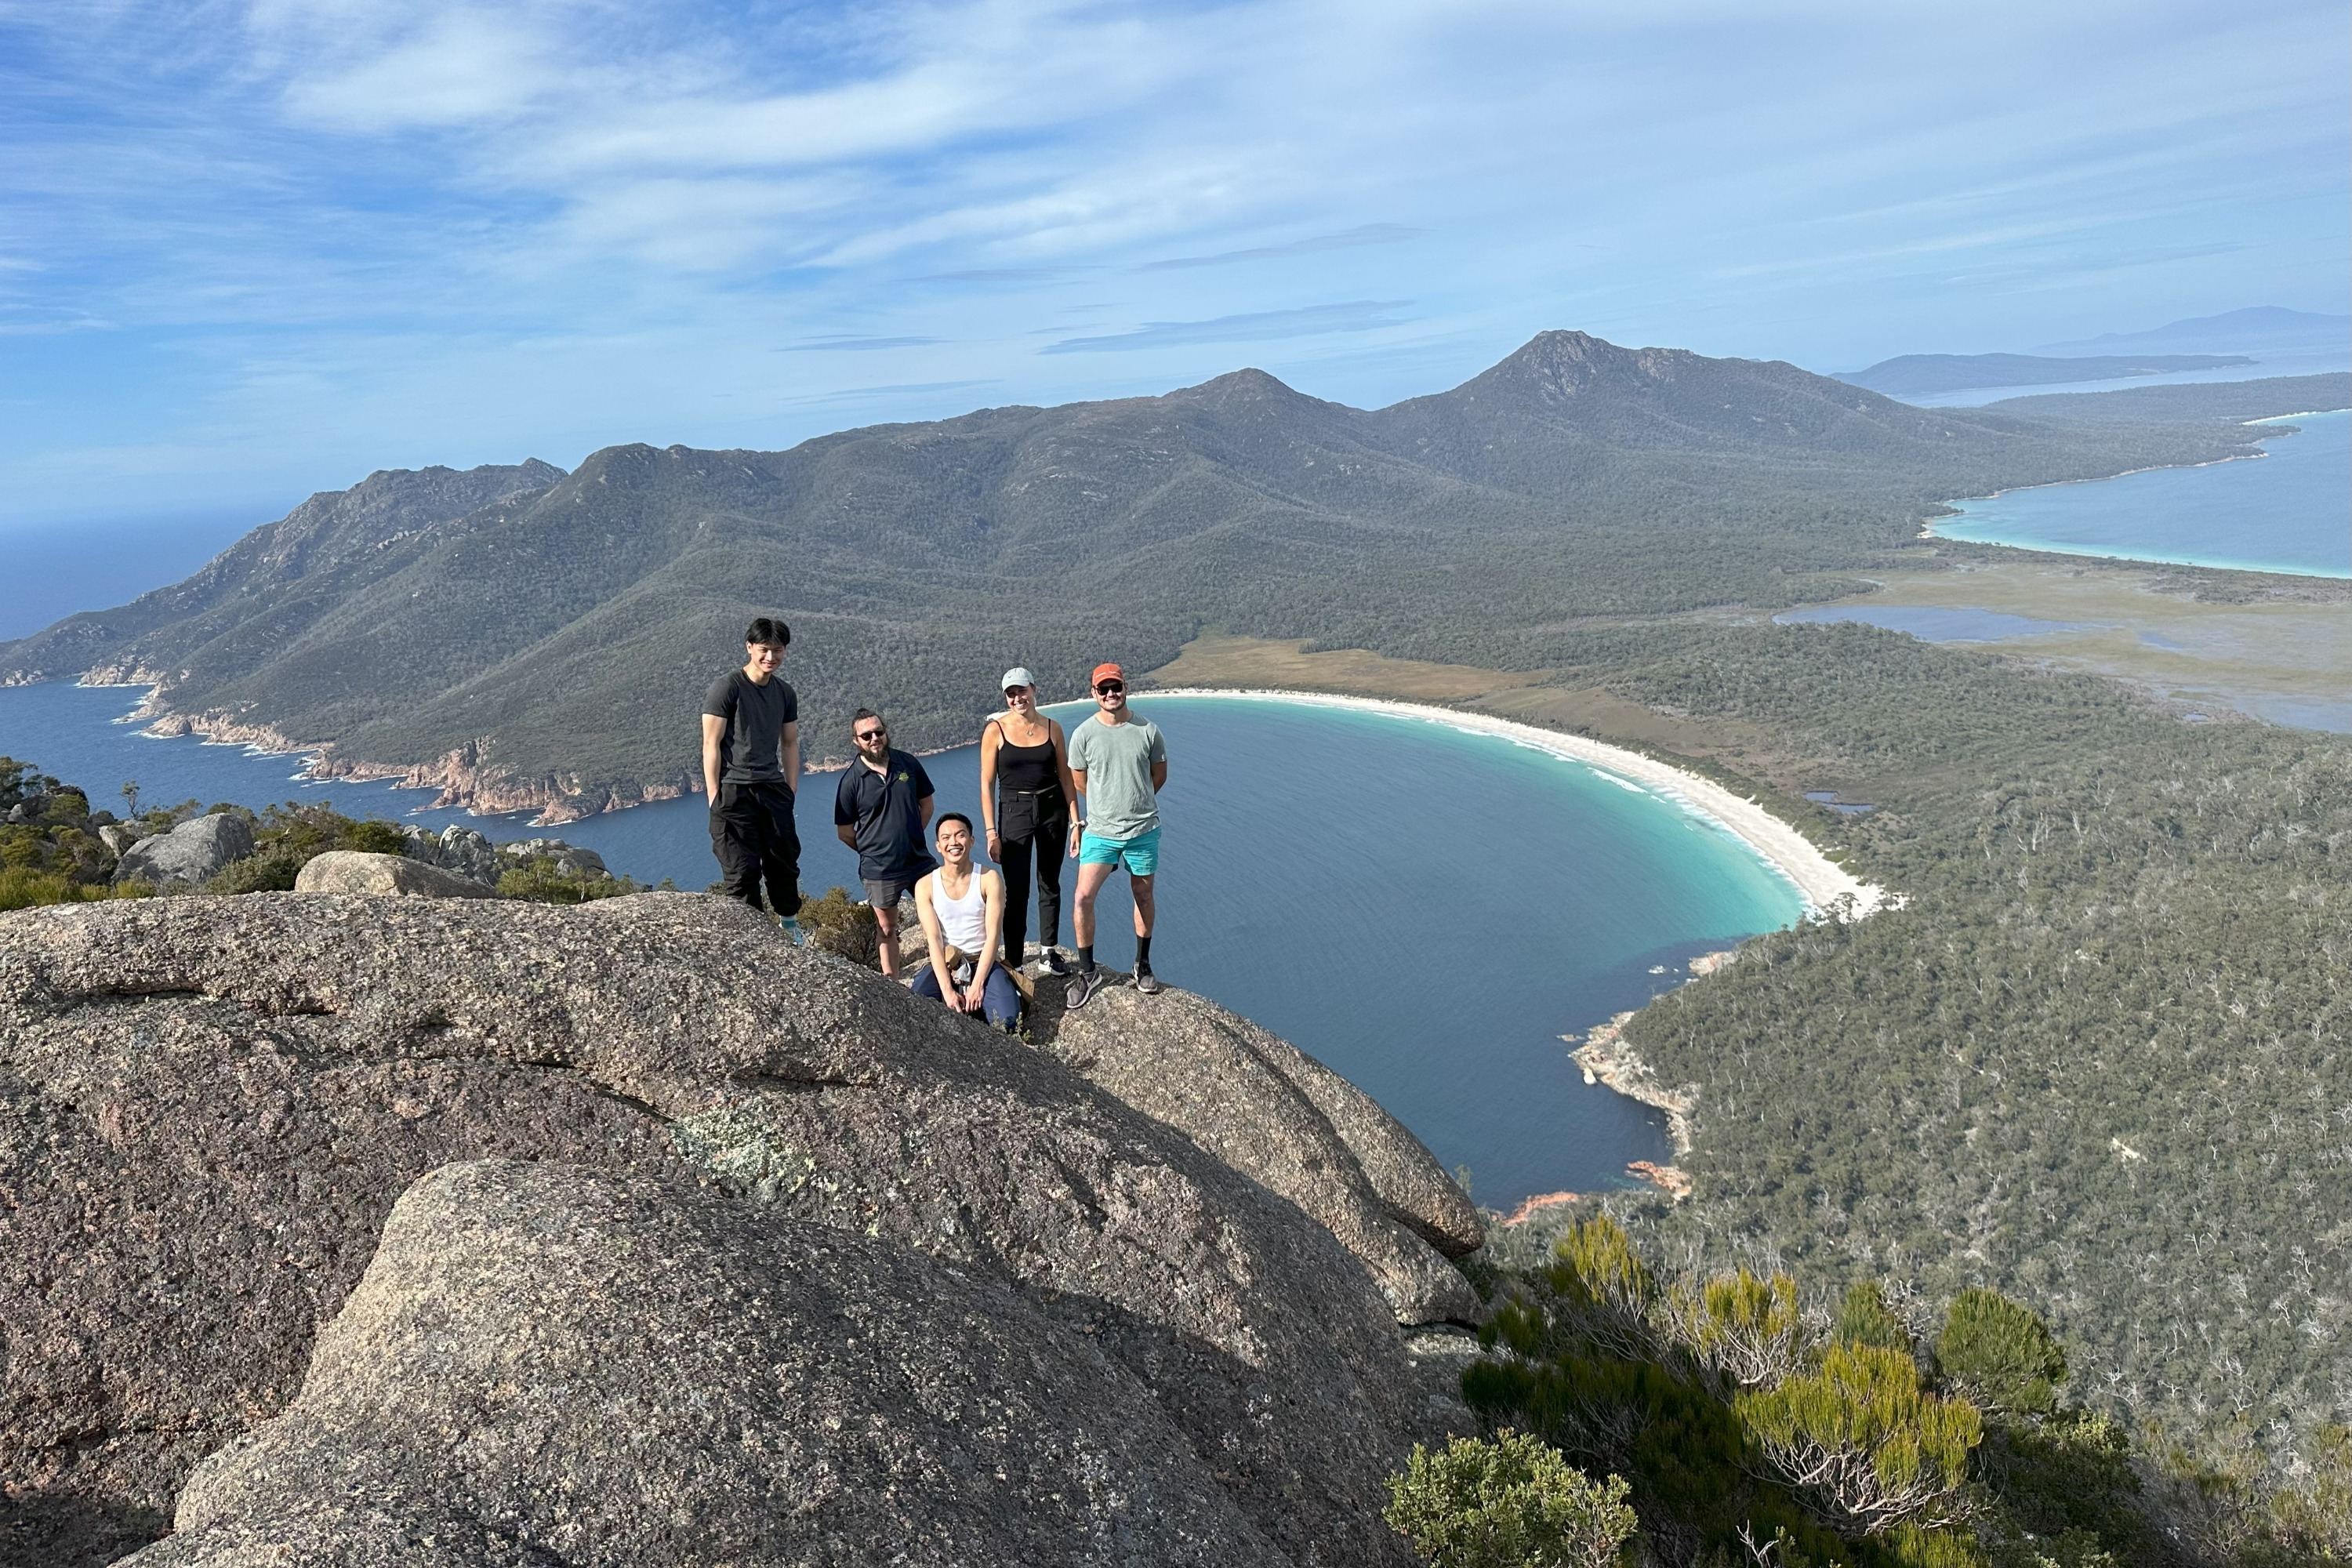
point(1034, 780)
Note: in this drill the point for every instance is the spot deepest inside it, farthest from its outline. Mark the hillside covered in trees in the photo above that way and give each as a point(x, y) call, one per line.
point(559, 628)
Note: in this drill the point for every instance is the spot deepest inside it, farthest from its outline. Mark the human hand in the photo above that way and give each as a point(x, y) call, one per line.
point(971, 999)
point(1078, 831)
point(995, 846)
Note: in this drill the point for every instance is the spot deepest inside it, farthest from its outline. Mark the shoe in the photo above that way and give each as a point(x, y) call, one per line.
point(792, 930)
point(1075, 994)
point(1054, 963)
point(1146, 982)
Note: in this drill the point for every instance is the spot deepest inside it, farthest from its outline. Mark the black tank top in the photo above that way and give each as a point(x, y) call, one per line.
point(1025, 770)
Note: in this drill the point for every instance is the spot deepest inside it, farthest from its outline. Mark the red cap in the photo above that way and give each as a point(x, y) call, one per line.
point(1106, 672)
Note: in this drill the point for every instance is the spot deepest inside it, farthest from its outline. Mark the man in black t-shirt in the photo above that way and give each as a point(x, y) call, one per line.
point(751, 766)
point(880, 809)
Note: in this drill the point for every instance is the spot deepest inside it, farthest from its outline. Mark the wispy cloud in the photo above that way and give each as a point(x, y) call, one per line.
point(327, 235)
point(1257, 326)
point(852, 345)
point(1370, 234)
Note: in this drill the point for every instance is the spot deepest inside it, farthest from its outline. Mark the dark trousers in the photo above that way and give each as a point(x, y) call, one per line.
point(751, 833)
point(1042, 842)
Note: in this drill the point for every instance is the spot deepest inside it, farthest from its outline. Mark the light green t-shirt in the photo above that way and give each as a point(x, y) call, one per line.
point(1117, 760)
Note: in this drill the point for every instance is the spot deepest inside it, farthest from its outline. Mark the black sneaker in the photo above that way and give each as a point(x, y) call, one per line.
point(1075, 994)
point(1054, 963)
point(1145, 981)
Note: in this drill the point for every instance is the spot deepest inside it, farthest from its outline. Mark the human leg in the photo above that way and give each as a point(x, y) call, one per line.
point(1052, 835)
point(1014, 854)
point(1092, 875)
point(883, 899)
point(780, 850)
point(1000, 1000)
point(927, 984)
point(735, 840)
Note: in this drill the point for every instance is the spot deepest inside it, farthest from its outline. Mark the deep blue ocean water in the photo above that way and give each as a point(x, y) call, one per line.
point(1423, 909)
point(2290, 510)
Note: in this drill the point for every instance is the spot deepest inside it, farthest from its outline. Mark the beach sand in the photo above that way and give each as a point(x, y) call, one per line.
point(1825, 887)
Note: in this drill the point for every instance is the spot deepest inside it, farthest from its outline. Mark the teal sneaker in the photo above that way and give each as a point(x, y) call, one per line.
point(792, 928)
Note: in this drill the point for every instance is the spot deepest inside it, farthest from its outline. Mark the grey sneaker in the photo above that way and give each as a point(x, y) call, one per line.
point(1081, 986)
point(1146, 982)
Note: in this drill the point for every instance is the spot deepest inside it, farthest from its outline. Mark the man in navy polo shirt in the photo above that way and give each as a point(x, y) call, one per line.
point(881, 809)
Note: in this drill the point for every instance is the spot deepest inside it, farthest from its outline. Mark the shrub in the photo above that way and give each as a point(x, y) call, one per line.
point(1870, 1449)
point(542, 880)
point(1745, 1327)
point(23, 888)
point(1866, 1319)
point(839, 924)
point(1601, 1287)
point(2002, 1352)
point(1511, 1503)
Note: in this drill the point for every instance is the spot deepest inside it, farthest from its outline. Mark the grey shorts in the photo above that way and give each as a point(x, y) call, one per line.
point(886, 895)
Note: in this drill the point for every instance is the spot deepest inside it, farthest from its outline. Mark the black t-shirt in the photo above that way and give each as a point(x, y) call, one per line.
point(886, 807)
point(756, 715)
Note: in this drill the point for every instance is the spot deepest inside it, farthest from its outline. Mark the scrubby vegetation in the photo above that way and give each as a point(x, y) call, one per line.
point(1746, 1421)
point(1513, 1502)
point(52, 850)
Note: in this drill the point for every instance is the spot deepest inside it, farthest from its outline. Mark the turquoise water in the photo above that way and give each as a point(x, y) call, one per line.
point(1425, 910)
point(2290, 510)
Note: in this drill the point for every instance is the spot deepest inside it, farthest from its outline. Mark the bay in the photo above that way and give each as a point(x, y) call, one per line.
point(2289, 511)
point(1426, 909)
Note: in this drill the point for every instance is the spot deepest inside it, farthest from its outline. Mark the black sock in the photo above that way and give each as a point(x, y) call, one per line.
point(1087, 958)
point(1144, 952)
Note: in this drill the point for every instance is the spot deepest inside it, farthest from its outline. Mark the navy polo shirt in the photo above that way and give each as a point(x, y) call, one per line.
point(885, 808)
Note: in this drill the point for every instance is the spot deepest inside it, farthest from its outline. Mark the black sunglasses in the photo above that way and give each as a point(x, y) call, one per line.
point(1108, 687)
point(871, 734)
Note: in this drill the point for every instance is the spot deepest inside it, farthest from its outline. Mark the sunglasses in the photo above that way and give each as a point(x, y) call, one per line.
point(871, 734)
point(1110, 687)
point(1013, 691)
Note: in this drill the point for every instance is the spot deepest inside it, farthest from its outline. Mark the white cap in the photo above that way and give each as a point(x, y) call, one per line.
point(1017, 676)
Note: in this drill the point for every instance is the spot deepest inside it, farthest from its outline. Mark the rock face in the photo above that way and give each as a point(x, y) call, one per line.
point(651, 1380)
point(208, 1107)
point(190, 854)
point(1276, 1114)
point(460, 849)
point(357, 871)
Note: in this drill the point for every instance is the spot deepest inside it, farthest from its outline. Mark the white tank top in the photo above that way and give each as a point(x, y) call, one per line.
point(963, 921)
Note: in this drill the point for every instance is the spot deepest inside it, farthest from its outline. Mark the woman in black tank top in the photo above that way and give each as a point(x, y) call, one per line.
point(1025, 792)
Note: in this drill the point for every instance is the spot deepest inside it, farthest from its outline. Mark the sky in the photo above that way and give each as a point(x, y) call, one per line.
point(253, 249)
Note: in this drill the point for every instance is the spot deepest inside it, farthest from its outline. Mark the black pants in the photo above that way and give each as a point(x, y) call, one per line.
point(1024, 837)
point(751, 833)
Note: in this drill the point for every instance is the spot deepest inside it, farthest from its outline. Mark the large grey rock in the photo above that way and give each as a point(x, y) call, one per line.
point(357, 871)
point(207, 1108)
point(190, 854)
point(622, 1376)
point(1276, 1114)
point(461, 850)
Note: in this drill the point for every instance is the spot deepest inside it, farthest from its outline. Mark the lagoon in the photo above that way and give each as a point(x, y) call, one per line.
point(1426, 909)
point(2289, 511)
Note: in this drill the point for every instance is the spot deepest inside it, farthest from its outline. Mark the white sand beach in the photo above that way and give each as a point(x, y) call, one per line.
point(1825, 887)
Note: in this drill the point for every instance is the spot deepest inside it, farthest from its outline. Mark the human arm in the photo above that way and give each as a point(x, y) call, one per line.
point(1159, 756)
point(845, 820)
point(714, 730)
point(988, 737)
point(935, 940)
point(992, 897)
point(1159, 775)
point(1077, 802)
point(789, 753)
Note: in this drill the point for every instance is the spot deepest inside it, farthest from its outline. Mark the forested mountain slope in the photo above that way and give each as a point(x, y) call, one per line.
point(559, 628)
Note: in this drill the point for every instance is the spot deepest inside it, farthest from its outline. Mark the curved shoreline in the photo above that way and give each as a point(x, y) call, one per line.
point(1825, 887)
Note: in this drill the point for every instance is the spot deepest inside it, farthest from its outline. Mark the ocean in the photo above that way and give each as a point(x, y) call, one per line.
point(1423, 909)
point(2290, 510)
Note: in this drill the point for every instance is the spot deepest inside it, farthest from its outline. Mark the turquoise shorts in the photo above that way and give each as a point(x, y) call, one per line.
point(1140, 855)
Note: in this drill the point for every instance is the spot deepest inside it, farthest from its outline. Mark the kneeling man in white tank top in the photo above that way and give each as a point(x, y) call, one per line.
point(962, 910)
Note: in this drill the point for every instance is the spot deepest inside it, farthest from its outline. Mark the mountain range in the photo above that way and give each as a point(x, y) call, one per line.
point(2234, 331)
point(527, 637)
point(1909, 374)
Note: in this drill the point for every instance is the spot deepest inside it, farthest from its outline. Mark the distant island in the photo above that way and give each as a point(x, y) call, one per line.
point(1909, 374)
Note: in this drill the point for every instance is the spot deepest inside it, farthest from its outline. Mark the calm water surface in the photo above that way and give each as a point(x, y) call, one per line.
point(1425, 910)
point(2290, 510)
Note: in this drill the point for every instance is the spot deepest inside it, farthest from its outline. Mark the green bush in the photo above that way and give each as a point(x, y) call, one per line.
point(839, 924)
point(23, 888)
point(1869, 1448)
point(1866, 1319)
point(542, 880)
point(2002, 1352)
point(1745, 1326)
point(1511, 1503)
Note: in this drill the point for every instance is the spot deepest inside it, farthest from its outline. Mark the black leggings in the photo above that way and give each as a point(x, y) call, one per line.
point(1044, 844)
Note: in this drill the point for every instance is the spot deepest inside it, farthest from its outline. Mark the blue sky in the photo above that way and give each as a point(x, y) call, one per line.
point(251, 249)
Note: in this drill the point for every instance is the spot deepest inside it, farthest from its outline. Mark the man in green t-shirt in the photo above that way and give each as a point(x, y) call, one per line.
point(1119, 763)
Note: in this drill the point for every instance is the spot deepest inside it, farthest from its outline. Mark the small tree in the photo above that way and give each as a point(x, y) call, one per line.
point(1869, 1448)
point(2002, 1352)
point(1866, 1319)
point(129, 797)
point(1745, 1327)
point(1511, 1503)
point(1601, 1287)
